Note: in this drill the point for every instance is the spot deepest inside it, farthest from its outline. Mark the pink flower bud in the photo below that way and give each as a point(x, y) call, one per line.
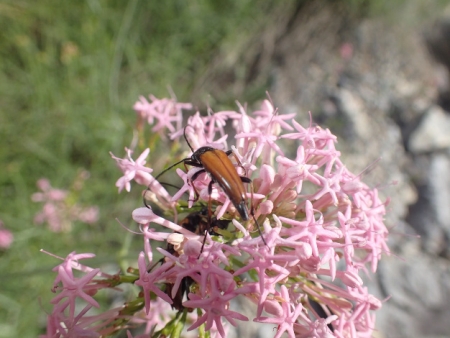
point(192, 248)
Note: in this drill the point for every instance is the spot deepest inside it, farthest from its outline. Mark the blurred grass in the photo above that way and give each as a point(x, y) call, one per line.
point(69, 75)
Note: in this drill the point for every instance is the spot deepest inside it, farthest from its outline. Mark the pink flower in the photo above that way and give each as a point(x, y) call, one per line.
point(48, 193)
point(148, 281)
point(133, 170)
point(136, 170)
point(314, 227)
point(315, 213)
point(263, 260)
point(71, 315)
point(73, 288)
point(89, 215)
point(6, 237)
point(288, 315)
point(204, 269)
point(67, 319)
point(146, 216)
point(59, 210)
point(70, 263)
point(159, 314)
point(165, 112)
point(215, 306)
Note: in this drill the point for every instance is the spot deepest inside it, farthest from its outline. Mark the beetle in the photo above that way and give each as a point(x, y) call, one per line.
point(197, 222)
point(221, 170)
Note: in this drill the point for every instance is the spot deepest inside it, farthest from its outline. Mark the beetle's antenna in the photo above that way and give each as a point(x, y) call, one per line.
point(252, 212)
point(170, 185)
point(184, 133)
point(158, 176)
point(259, 230)
point(167, 169)
point(162, 183)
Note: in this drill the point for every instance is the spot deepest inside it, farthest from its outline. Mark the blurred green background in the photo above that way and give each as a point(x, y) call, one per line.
point(70, 72)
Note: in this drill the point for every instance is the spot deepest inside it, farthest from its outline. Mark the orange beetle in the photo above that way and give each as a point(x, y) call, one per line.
point(222, 171)
point(216, 163)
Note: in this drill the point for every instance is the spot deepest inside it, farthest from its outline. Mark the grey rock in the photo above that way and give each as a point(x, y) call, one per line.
point(390, 129)
point(433, 132)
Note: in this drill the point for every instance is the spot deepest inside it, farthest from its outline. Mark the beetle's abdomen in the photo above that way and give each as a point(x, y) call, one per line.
point(223, 172)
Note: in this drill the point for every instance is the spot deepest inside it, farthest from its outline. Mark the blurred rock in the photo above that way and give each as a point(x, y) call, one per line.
point(417, 285)
point(374, 84)
point(433, 132)
point(430, 215)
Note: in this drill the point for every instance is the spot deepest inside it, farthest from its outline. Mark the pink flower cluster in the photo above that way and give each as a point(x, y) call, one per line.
point(321, 225)
point(58, 212)
point(66, 320)
point(161, 113)
point(72, 314)
point(315, 227)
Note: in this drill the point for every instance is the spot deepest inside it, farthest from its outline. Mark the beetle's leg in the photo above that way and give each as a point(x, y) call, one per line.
point(188, 281)
point(193, 178)
point(246, 180)
point(153, 266)
point(252, 209)
point(192, 164)
point(143, 197)
point(209, 205)
point(197, 174)
point(322, 311)
point(208, 225)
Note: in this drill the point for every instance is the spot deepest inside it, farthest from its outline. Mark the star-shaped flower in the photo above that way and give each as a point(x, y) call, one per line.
point(148, 280)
